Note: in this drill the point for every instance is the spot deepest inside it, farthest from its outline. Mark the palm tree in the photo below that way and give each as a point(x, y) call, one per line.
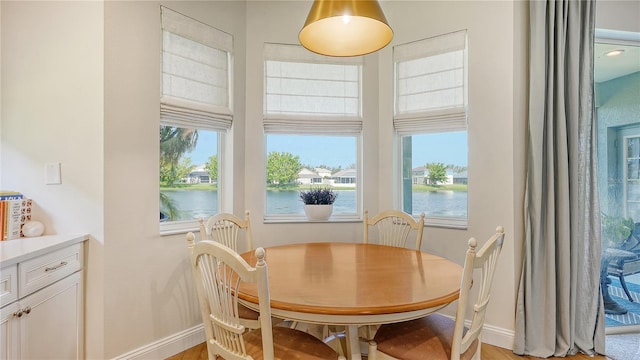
point(170, 209)
point(174, 143)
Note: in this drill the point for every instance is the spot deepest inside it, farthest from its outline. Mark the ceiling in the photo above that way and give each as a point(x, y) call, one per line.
point(611, 67)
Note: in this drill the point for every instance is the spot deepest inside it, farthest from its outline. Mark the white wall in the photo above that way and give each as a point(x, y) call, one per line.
point(490, 131)
point(52, 111)
point(620, 15)
point(148, 291)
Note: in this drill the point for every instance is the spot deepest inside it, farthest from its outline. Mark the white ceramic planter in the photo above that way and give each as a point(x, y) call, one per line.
point(318, 212)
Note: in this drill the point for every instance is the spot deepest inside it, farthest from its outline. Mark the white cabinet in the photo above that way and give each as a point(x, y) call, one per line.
point(45, 320)
point(9, 332)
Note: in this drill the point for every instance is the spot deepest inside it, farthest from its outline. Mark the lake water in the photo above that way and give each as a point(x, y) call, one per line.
point(193, 204)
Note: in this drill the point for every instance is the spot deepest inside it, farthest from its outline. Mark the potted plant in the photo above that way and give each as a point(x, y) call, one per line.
point(318, 202)
point(616, 229)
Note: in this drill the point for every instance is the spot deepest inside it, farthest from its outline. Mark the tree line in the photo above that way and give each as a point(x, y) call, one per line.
point(175, 142)
point(438, 172)
point(282, 167)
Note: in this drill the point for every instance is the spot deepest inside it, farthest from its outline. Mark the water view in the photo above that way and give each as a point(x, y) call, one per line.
point(193, 204)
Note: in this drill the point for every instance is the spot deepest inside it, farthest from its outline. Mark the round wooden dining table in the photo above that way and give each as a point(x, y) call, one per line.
point(353, 284)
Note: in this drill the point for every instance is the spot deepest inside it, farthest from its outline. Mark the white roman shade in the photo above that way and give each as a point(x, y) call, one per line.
point(309, 93)
point(431, 84)
point(196, 74)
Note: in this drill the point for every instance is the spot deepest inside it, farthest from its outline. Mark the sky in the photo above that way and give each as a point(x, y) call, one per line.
point(340, 150)
point(206, 146)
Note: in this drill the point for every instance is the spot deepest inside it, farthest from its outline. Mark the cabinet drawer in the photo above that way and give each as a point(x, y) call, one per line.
point(8, 284)
point(49, 268)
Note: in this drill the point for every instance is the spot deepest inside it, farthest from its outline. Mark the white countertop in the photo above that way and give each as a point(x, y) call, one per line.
point(17, 250)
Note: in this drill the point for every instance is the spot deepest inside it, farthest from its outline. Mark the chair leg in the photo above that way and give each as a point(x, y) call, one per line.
point(624, 287)
point(478, 354)
point(373, 348)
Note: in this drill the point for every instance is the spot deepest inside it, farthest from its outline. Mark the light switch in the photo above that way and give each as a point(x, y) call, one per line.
point(52, 174)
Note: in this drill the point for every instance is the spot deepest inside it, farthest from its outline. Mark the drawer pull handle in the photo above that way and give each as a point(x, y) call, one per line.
point(25, 311)
point(56, 267)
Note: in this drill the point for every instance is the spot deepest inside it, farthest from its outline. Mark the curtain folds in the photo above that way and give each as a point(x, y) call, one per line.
point(559, 310)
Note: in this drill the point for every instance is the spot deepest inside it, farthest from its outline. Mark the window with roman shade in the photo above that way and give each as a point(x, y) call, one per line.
point(313, 129)
point(196, 73)
point(430, 120)
point(311, 93)
point(195, 113)
point(431, 84)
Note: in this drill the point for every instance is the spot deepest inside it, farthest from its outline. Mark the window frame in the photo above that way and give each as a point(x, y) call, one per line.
point(224, 182)
point(443, 222)
point(290, 218)
point(625, 176)
point(184, 113)
point(429, 121)
point(287, 123)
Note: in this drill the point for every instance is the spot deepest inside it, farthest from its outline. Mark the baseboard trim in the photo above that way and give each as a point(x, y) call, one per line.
point(493, 335)
point(168, 346)
point(498, 336)
point(186, 339)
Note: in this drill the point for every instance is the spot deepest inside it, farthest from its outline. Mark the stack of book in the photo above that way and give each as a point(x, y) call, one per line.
point(15, 210)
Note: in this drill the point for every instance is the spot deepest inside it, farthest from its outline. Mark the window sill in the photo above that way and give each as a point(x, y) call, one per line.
point(179, 227)
point(183, 227)
point(293, 219)
point(448, 223)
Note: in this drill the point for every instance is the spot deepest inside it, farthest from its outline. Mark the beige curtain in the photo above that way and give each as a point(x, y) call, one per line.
point(559, 307)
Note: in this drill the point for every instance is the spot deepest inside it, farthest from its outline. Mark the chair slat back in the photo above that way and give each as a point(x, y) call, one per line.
point(393, 228)
point(218, 271)
point(486, 260)
point(226, 228)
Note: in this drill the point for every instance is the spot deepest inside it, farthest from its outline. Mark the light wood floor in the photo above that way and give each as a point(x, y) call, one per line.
point(199, 352)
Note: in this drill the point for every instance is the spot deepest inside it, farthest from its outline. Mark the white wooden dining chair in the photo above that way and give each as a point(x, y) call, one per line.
point(393, 228)
point(218, 271)
point(227, 229)
point(441, 337)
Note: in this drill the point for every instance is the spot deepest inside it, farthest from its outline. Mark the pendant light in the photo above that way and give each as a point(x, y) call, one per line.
point(345, 28)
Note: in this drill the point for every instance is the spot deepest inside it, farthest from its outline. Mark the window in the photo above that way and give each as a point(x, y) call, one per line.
point(430, 119)
point(616, 84)
point(631, 152)
point(195, 114)
point(313, 125)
